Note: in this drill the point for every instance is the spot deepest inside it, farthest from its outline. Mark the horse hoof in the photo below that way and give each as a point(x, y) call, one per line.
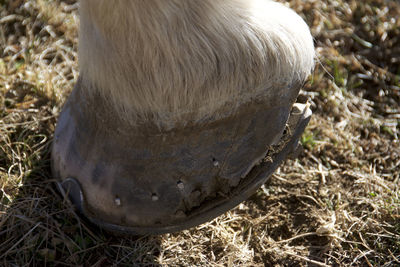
point(143, 180)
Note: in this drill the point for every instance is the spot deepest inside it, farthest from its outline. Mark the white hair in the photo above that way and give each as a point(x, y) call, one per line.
point(179, 61)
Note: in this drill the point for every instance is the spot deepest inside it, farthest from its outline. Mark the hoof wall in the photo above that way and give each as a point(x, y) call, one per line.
point(141, 181)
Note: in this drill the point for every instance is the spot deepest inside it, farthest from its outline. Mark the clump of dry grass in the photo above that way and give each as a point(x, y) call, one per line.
point(337, 204)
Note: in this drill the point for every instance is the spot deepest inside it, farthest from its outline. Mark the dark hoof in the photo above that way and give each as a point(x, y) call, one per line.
point(141, 180)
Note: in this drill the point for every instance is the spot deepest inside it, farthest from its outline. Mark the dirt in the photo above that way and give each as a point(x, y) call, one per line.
point(336, 204)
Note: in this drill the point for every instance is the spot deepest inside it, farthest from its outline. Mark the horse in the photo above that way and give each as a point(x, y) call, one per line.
point(177, 106)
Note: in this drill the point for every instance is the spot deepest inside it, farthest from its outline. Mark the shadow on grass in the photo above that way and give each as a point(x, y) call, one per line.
point(39, 227)
point(289, 215)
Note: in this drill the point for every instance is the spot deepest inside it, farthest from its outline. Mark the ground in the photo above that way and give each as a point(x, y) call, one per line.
point(336, 204)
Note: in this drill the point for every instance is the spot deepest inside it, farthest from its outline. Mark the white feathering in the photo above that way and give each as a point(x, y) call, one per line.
point(180, 60)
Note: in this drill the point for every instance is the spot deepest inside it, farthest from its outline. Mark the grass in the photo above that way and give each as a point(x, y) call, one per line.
point(337, 204)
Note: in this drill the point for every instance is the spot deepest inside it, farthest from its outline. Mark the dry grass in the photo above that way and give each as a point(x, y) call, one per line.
point(337, 204)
